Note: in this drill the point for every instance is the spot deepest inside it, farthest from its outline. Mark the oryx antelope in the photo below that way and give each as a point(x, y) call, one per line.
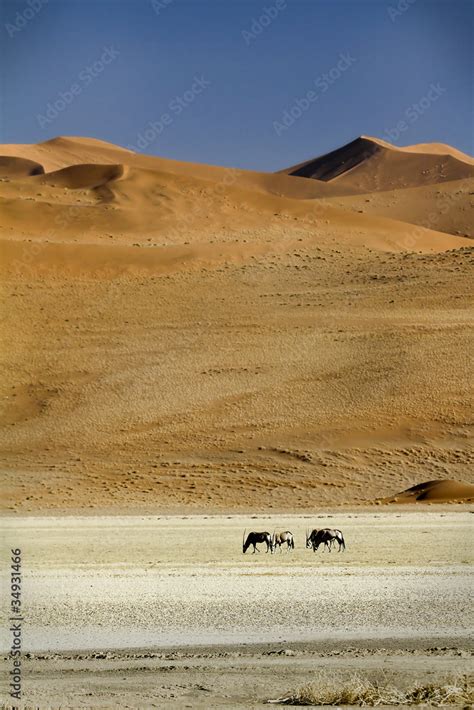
point(254, 538)
point(327, 537)
point(283, 538)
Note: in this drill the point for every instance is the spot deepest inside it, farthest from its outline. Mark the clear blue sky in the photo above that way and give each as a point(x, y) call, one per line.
point(406, 61)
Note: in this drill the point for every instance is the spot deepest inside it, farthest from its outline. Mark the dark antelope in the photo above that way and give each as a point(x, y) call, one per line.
point(327, 537)
point(254, 538)
point(282, 538)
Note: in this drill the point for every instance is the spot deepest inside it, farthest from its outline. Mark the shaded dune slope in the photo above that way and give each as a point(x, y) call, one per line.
point(13, 167)
point(84, 175)
point(330, 165)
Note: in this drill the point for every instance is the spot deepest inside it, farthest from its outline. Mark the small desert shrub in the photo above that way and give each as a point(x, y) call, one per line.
point(331, 690)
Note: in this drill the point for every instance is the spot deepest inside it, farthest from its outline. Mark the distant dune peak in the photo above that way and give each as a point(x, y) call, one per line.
point(372, 164)
point(83, 141)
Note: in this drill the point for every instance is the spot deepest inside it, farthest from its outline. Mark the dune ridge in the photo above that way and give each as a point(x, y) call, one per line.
point(153, 201)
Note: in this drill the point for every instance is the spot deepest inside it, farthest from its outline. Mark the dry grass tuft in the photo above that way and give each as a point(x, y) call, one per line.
point(332, 690)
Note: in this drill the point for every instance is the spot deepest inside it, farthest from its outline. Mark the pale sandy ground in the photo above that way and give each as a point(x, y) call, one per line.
point(180, 618)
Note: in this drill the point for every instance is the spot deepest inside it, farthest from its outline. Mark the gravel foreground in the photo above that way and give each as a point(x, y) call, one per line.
point(158, 612)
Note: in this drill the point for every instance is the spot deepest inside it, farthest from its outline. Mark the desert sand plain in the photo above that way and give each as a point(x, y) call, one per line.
point(192, 350)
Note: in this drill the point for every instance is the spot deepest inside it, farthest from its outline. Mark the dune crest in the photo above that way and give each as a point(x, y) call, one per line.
point(432, 148)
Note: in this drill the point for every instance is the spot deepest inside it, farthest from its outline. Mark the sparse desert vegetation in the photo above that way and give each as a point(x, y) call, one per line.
point(330, 689)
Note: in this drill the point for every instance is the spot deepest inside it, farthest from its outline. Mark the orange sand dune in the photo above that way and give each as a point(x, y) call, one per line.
point(441, 491)
point(368, 165)
point(191, 337)
point(61, 152)
point(64, 152)
point(152, 202)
